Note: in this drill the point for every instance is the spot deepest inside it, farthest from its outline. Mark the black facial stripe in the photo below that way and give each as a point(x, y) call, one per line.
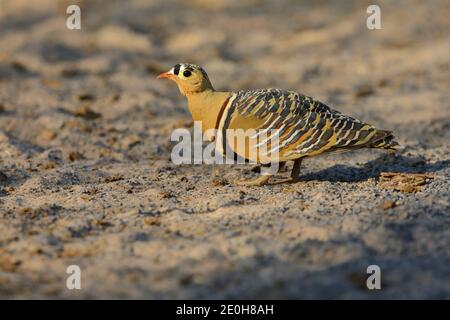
point(176, 69)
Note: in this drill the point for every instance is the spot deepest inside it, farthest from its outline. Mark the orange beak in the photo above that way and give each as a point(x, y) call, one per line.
point(164, 75)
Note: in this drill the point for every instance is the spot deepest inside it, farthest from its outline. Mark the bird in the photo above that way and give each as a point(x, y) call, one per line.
point(305, 127)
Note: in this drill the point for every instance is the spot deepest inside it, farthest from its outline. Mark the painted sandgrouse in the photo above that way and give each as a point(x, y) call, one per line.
point(305, 127)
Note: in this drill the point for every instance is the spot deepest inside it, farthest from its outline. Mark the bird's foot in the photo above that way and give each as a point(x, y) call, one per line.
point(286, 180)
point(260, 181)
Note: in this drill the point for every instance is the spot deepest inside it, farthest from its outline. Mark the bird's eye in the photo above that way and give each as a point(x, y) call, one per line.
point(187, 73)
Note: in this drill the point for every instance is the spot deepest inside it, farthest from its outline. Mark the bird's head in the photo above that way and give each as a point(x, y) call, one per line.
point(190, 78)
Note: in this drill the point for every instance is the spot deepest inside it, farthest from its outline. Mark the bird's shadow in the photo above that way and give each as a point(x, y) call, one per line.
point(373, 169)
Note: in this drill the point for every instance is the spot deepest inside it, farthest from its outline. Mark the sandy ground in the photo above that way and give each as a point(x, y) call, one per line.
point(86, 176)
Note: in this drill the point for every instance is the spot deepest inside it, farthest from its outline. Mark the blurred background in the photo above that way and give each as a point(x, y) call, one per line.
point(85, 175)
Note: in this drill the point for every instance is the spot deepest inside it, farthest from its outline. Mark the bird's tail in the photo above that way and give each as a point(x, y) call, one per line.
point(384, 139)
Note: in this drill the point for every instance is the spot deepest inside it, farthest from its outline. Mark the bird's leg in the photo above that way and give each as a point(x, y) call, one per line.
point(295, 173)
point(261, 180)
